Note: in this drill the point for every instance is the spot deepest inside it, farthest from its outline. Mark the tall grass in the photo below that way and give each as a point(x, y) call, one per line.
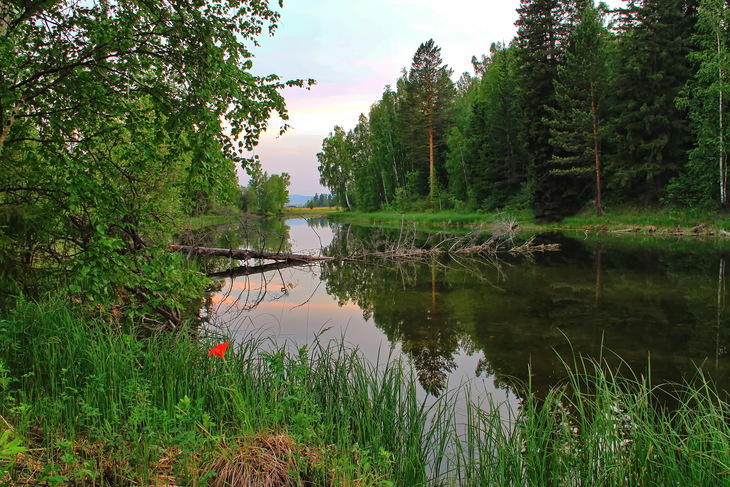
point(98, 405)
point(601, 428)
point(139, 400)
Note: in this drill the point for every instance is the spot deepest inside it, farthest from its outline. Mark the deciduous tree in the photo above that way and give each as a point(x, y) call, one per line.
point(112, 115)
point(706, 98)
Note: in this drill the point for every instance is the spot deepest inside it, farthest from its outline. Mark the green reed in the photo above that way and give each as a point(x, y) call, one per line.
point(93, 401)
point(601, 428)
point(70, 380)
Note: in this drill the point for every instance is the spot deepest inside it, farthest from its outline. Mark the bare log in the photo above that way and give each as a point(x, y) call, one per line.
point(246, 254)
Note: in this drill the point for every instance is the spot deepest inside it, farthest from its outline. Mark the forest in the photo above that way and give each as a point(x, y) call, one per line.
point(586, 108)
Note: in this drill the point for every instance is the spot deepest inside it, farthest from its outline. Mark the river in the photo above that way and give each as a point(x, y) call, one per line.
point(648, 306)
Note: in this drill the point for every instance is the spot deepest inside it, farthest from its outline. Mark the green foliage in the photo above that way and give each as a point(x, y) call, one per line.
point(320, 201)
point(580, 92)
point(703, 182)
point(429, 94)
point(106, 143)
point(336, 166)
point(495, 151)
point(9, 447)
point(132, 401)
point(569, 100)
point(650, 136)
point(108, 404)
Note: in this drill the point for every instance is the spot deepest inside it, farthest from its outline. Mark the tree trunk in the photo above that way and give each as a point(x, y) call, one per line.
point(723, 162)
point(432, 175)
point(596, 149)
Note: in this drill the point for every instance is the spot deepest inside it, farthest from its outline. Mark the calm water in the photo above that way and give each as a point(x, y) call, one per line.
point(482, 321)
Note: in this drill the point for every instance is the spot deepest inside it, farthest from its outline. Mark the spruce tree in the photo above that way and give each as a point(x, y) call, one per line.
point(543, 28)
point(651, 135)
point(495, 151)
point(575, 121)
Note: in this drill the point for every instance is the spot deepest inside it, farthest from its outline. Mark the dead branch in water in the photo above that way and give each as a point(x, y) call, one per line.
point(249, 270)
point(501, 241)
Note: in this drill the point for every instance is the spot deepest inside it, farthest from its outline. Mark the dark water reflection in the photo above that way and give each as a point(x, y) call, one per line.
point(638, 299)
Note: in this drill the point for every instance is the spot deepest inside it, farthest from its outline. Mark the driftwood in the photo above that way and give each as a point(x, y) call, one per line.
point(245, 254)
point(627, 230)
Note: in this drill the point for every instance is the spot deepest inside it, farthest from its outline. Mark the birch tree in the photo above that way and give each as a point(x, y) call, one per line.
point(706, 98)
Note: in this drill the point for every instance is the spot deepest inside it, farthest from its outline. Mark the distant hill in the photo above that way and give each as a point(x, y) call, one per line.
point(298, 199)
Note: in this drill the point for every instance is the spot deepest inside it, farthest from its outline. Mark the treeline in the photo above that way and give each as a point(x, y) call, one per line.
point(586, 107)
point(320, 201)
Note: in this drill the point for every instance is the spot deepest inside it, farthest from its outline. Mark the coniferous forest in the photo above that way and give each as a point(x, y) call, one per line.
point(586, 108)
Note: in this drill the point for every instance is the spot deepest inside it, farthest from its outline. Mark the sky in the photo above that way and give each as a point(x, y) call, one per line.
point(353, 49)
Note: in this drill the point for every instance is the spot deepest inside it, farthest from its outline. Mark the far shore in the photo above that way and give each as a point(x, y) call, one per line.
point(649, 222)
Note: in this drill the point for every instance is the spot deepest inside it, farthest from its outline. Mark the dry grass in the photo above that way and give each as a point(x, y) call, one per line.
point(264, 461)
point(267, 460)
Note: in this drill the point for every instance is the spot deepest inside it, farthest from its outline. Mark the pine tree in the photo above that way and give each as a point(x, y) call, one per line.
point(429, 93)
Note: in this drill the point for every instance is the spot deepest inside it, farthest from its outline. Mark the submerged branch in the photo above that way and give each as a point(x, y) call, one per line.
point(249, 270)
point(246, 254)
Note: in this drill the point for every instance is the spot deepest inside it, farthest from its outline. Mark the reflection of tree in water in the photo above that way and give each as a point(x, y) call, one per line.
point(637, 303)
point(399, 298)
point(405, 299)
point(663, 302)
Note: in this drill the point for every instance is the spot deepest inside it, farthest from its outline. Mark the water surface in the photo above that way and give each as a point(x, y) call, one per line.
point(499, 322)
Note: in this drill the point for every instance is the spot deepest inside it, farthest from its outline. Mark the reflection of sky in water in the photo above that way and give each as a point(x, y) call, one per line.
point(293, 305)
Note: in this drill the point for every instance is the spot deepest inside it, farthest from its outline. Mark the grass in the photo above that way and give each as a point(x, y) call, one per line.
point(602, 428)
point(94, 403)
point(97, 405)
point(648, 221)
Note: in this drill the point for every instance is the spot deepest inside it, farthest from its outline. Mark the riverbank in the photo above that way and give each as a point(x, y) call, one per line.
point(649, 222)
point(90, 403)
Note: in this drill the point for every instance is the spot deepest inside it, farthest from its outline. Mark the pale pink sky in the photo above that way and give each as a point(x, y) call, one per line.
point(353, 48)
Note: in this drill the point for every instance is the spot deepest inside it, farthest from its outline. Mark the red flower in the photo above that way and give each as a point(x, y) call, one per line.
point(218, 350)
